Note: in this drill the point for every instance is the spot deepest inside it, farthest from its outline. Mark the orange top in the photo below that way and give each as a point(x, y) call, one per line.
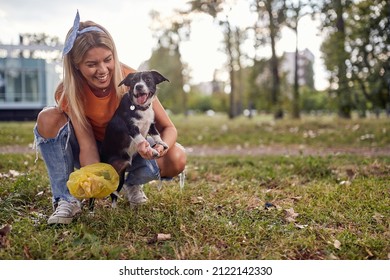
point(99, 110)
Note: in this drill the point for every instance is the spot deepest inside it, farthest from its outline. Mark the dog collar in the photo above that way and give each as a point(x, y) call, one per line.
point(138, 107)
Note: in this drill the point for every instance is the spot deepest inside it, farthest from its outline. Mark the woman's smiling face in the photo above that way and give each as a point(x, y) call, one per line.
point(97, 67)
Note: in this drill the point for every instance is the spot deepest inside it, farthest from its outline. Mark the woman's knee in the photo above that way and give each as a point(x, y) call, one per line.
point(181, 160)
point(49, 122)
point(173, 163)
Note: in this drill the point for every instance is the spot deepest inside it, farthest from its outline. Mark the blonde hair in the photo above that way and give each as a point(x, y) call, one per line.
point(70, 90)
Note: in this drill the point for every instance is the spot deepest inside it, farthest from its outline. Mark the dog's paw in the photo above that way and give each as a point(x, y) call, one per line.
point(155, 153)
point(162, 144)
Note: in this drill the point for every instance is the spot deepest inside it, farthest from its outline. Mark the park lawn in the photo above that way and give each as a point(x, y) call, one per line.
point(326, 131)
point(278, 207)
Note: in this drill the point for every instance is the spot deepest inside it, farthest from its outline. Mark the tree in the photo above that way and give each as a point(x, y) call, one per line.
point(41, 46)
point(368, 46)
point(271, 16)
point(166, 58)
point(295, 11)
point(219, 11)
point(356, 53)
point(334, 50)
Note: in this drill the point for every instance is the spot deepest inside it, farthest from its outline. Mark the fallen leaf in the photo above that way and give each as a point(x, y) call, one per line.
point(214, 178)
point(378, 217)
point(370, 254)
point(355, 127)
point(351, 174)
point(347, 183)
point(159, 237)
point(301, 226)
point(26, 251)
point(253, 203)
point(333, 257)
point(337, 244)
point(296, 198)
point(163, 236)
point(40, 193)
point(290, 215)
point(197, 200)
point(14, 173)
point(4, 231)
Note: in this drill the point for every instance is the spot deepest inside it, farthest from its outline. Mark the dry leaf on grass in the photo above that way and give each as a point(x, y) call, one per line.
point(301, 226)
point(11, 174)
point(197, 200)
point(346, 183)
point(4, 231)
point(290, 215)
point(351, 174)
point(163, 236)
point(159, 237)
point(337, 244)
point(378, 217)
point(253, 203)
point(370, 254)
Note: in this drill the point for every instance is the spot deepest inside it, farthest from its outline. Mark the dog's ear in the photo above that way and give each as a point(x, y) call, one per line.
point(126, 81)
point(158, 78)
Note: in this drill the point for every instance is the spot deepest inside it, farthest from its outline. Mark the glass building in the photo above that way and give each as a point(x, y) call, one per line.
point(26, 85)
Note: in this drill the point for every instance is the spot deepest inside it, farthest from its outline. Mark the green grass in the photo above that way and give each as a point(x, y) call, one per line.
point(16, 133)
point(328, 131)
point(231, 207)
point(263, 130)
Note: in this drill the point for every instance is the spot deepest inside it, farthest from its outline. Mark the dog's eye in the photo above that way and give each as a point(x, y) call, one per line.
point(148, 79)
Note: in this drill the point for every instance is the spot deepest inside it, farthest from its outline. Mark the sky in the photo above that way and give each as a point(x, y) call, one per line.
point(128, 22)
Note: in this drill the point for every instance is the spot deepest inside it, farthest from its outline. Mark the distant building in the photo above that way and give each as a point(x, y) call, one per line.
point(305, 67)
point(26, 84)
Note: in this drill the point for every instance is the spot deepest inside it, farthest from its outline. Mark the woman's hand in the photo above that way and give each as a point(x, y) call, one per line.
point(88, 149)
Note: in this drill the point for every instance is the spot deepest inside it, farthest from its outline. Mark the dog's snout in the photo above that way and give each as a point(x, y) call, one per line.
point(139, 87)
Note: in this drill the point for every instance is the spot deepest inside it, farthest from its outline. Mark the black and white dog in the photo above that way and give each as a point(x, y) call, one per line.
point(131, 123)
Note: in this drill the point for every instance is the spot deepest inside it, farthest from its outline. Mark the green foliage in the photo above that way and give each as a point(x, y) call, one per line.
point(368, 47)
point(316, 101)
point(200, 102)
point(168, 63)
point(356, 53)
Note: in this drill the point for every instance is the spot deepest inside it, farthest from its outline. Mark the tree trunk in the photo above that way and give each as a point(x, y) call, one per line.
point(278, 113)
point(229, 48)
point(295, 101)
point(345, 101)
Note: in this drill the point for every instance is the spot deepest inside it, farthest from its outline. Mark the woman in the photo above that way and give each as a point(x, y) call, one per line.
point(69, 134)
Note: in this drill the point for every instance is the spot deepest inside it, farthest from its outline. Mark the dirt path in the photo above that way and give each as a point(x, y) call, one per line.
point(291, 150)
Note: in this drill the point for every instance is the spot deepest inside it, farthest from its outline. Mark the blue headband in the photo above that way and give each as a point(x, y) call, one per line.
point(75, 32)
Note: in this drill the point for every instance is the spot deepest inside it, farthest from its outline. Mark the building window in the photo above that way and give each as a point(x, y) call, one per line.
point(2, 86)
point(19, 85)
point(32, 85)
point(14, 85)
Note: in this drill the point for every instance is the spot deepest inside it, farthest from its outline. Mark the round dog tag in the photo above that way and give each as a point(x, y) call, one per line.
point(132, 107)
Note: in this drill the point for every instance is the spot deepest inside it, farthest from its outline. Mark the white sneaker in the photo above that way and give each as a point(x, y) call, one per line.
point(135, 195)
point(64, 213)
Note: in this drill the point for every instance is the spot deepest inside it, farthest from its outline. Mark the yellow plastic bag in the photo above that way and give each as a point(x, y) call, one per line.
point(97, 180)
